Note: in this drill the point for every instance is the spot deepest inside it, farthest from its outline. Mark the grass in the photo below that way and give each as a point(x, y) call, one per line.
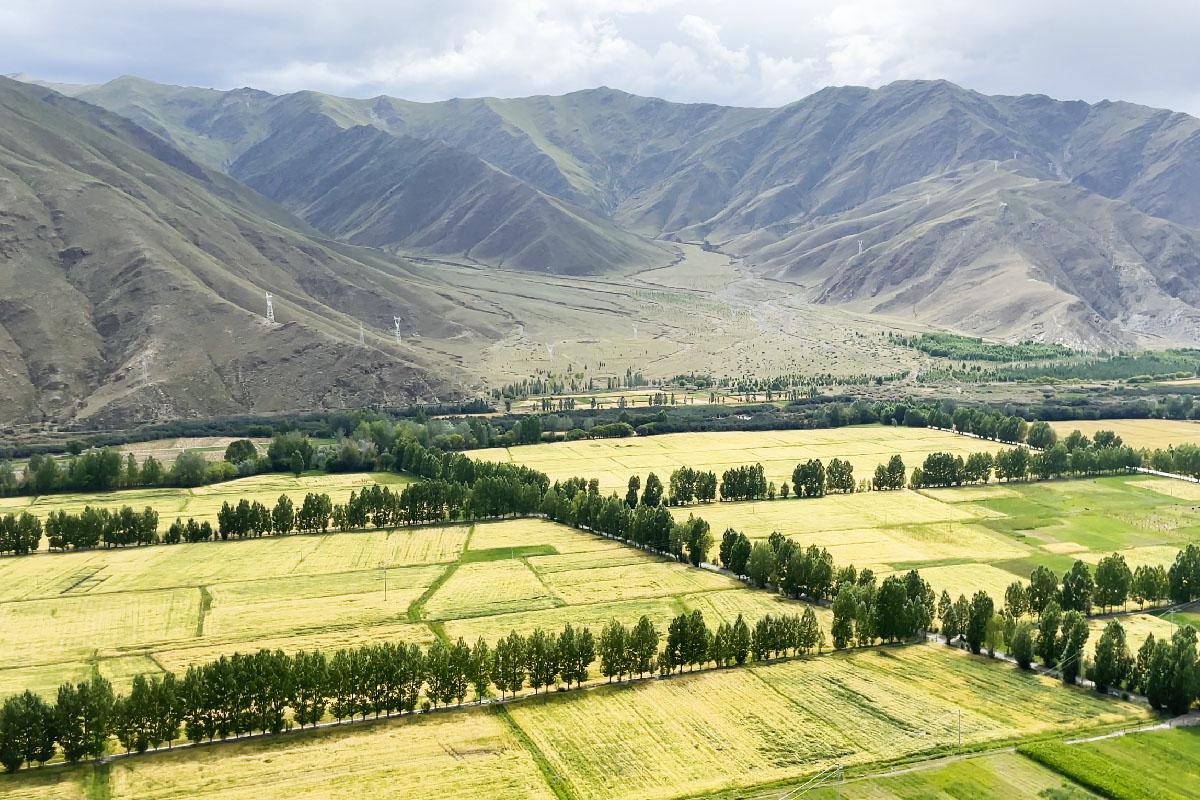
point(613, 461)
point(1162, 765)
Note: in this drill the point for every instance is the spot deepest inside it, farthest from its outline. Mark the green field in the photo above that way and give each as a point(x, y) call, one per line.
point(982, 537)
point(1161, 765)
point(999, 776)
point(692, 734)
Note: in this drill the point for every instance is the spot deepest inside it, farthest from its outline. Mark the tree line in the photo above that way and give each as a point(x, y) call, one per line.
point(270, 691)
point(1020, 463)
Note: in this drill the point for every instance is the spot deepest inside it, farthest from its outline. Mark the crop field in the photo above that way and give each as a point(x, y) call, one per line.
point(203, 502)
point(997, 776)
point(613, 461)
point(713, 730)
point(1160, 765)
point(167, 450)
point(121, 612)
point(691, 734)
point(984, 537)
point(1148, 433)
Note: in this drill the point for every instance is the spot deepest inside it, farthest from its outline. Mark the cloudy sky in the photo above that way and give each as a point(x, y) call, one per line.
point(747, 52)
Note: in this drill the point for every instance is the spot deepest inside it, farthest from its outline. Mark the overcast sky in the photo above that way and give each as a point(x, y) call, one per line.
point(744, 52)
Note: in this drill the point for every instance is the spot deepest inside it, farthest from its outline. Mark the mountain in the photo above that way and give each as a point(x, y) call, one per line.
point(134, 281)
point(1083, 232)
point(342, 167)
point(367, 187)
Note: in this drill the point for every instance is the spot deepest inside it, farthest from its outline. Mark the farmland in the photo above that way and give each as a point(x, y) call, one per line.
point(203, 502)
point(998, 776)
point(1159, 764)
point(1148, 433)
point(695, 733)
point(969, 538)
point(121, 612)
point(147, 609)
point(612, 461)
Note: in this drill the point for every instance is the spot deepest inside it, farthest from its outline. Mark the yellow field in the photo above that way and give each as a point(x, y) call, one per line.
point(720, 729)
point(146, 609)
point(203, 502)
point(1137, 628)
point(1149, 433)
point(872, 529)
point(613, 461)
point(488, 588)
point(690, 734)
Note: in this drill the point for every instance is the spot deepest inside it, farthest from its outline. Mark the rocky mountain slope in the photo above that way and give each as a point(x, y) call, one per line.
point(133, 284)
point(141, 224)
point(1087, 221)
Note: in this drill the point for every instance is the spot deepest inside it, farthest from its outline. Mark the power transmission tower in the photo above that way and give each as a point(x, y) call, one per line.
point(361, 337)
point(860, 247)
point(396, 331)
point(270, 309)
point(145, 368)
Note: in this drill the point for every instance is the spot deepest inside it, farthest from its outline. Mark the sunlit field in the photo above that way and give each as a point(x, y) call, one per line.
point(613, 461)
point(203, 502)
point(688, 735)
point(152, 608)
point(1148, 433)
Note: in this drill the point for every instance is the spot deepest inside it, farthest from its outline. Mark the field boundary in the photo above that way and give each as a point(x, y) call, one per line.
point(557, 784)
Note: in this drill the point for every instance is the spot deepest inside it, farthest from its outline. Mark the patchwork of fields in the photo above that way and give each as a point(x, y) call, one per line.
point(983, 537)
point(121, 612)
point(962, 539)
point(118, 613)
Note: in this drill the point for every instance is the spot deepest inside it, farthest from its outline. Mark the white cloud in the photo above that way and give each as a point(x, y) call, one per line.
point(761, 52)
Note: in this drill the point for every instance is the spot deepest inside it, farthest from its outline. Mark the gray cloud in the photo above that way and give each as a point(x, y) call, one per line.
point(752, 52)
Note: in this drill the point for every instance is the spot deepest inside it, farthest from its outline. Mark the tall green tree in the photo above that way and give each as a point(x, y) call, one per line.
point(1113, 662)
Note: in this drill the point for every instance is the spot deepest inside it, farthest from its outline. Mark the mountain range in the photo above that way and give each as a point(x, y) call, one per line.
point(1010, 217)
